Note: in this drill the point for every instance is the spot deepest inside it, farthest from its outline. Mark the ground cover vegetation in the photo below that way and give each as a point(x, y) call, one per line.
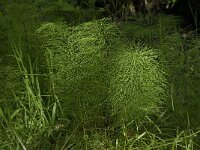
point(83, 75)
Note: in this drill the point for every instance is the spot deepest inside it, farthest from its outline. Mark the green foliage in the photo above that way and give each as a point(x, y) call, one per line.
point(137, 83)
point(77, 58)
point(182, 58)
point(151, 27)
point(97, 73)
point(95, 89)
point(23, 117)
point(10, 79)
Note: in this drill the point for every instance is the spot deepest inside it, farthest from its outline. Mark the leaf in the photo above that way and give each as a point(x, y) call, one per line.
point(54, 113)
point(15, 113)
point(1, 113)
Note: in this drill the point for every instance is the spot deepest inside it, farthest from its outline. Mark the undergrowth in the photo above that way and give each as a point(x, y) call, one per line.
point(97, 85)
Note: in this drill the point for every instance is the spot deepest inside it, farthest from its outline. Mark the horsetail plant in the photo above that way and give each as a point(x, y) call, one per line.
point(98, 74)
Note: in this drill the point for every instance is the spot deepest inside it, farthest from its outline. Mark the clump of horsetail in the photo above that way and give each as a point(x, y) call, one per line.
point(98, 74)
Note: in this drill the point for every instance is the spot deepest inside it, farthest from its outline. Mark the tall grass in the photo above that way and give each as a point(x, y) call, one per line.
point(27, 118)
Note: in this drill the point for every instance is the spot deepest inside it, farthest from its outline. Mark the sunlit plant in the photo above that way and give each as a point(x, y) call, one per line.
point(98, 74)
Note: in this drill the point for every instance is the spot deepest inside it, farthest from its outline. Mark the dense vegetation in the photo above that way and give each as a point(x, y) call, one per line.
point(84, 75)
